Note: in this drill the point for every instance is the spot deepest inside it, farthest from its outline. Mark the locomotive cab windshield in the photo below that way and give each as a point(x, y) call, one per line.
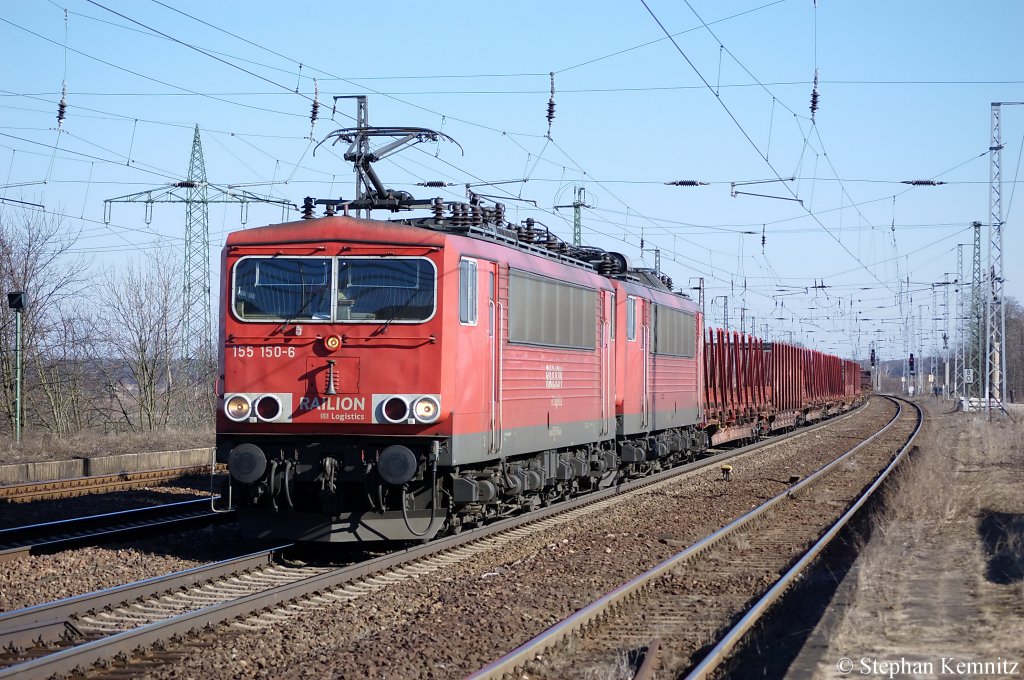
point(363, 289)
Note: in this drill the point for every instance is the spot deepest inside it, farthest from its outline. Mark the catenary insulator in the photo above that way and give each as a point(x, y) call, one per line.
point(62, 107)
point(315, 111)
point(814, 96)
point(551, 104)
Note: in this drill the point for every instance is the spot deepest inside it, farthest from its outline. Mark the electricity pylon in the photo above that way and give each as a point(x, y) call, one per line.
point(198, 194)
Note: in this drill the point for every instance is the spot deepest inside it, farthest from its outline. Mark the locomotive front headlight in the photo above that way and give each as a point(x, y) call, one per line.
point(395, 409)
point(237, 408)
point(268, 407)
point(426, 410)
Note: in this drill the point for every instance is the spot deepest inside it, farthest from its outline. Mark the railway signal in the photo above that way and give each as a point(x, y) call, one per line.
point(16, 301)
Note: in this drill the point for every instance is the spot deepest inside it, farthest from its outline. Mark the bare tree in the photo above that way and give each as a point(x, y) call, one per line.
point(138, 326)
point(36, 257)
point(64, 382)
point(1014, 341)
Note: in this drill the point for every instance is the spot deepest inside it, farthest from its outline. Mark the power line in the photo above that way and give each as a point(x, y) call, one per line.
point(749, 139)
point(652, 42)
point(145, 77)
point(192, 47)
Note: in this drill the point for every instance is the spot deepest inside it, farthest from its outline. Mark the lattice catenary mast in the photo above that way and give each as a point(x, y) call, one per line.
point(995, 307)
point(577, 217)
point(976, 358)
point(959, 387)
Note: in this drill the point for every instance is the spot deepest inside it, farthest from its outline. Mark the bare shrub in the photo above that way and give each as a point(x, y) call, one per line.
point(90, 444)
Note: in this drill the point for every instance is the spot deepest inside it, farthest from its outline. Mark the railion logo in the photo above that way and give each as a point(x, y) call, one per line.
point(553, 377)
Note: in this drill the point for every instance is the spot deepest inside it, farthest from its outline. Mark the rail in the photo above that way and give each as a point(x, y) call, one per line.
point(590, 614)
point(51, 537)
point(80, 486)
point(720, 653)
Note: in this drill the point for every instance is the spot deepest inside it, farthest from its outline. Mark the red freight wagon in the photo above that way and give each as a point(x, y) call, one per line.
point(736, 391)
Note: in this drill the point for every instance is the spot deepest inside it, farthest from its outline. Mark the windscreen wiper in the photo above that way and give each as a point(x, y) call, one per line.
point(301, 309)
point(394, 315)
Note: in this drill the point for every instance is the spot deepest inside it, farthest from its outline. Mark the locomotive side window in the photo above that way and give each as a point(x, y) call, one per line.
point(490, 304)
point(467, 292)
point(611, 319)
point(631, 318)
point(278, 288)
point(674, 332)
point(543, 311)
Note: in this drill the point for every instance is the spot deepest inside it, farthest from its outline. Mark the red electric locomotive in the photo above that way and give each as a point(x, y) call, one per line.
point(384, 380)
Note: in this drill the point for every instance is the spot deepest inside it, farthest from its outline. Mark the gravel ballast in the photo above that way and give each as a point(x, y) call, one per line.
point(450, 622)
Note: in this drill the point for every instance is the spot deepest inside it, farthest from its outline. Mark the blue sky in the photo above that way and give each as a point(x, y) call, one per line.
point(905, 92)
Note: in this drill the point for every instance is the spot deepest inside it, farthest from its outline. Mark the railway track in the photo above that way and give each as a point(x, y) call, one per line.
point(708, 596)
point(51, 537)
point(261, 589)
point(80, 486)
